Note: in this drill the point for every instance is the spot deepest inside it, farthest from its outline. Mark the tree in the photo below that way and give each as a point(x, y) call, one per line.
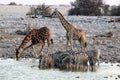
point(86, 7)
point(106, 9)
point(115, 11)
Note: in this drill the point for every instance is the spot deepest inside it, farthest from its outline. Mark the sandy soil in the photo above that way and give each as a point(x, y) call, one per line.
point(13, 19)
point(93, 26)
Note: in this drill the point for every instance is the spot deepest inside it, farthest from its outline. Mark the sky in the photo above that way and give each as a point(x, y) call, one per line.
point(52, 2)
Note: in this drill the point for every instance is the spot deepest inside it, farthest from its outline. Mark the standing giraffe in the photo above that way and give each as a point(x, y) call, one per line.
point(36, 36)
point(72, 32)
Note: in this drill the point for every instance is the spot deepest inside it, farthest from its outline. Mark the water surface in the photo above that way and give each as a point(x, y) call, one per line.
point(27, 69)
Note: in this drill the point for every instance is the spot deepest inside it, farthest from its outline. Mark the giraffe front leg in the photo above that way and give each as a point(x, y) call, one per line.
point(28, 47)
point(67, 45)
point(71, 44)
point(68, 40)
point(82, 45)
point(41, 50)
point(71, 40)
point(33, 52)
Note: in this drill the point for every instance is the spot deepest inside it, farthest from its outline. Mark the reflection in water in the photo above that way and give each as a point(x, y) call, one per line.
point(68, 62)
point(76, 68)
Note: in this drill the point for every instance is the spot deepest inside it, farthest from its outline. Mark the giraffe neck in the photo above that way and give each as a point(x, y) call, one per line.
point(26, 40)
point(22, 44)
point(64, 22)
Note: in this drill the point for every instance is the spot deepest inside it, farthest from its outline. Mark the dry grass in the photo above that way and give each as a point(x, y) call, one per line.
point(11, 36)
point(105, 38)
point(22, 36)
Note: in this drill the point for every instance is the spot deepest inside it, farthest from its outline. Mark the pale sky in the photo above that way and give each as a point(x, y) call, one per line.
point(52, 2)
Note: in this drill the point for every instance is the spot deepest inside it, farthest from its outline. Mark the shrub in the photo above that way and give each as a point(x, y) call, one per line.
point(86, 7)
point(115, 11)
point(40, 10)
point(32, 11)
point(12, 3)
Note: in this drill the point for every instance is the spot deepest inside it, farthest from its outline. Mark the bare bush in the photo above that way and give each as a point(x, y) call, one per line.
point(40, 10)
point(31, 11)
point(12, 3)
point(44, 10)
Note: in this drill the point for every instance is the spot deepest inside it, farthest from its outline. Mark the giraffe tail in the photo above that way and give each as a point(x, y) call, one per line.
point(85, 44)
point(52, 41)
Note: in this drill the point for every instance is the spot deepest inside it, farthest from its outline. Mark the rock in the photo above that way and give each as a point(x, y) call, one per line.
point(2, 53)
point(115, 27)
point(108, 34)
point(110, 46)
point(19, 32)
point(22, 18)
point(77, 77)
point(105, 77)
point(106, 62)
point(118, 65)
point(118, 59)
point(118, 76)
point(114, 20)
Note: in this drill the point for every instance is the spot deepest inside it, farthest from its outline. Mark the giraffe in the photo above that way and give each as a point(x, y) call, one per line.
point(73, 33)
point(36, 36)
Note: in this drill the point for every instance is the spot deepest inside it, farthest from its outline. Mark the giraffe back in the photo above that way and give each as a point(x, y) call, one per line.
point(40, 35)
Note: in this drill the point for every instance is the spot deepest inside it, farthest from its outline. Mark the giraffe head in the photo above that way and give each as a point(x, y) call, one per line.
point(55, 12)
point(18, 53)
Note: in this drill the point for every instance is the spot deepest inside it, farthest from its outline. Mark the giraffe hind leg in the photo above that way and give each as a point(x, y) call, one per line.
point(33, 52)
point(82, 44)
point(71, 44)
point(41, 50)
point(67, 45)
point(48, 42)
